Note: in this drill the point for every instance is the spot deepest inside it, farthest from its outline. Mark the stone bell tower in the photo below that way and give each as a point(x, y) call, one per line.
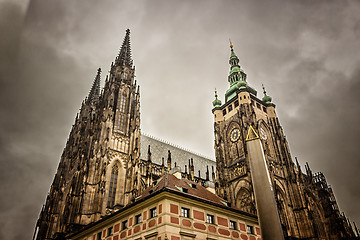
point(300, 200)
point(97, 173)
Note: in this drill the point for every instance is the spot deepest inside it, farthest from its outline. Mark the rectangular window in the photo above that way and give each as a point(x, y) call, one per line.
point(258, 105)
point(236, 103)
point(250, 229)
point(224, 111)
point(264, 109)
point(153, 212)
point(98, 236)
point(124, 225)
point(110, 231)
point(210, 218)
point(233, 225)
point(185, 212)
point(230, 108)
point(138, 219)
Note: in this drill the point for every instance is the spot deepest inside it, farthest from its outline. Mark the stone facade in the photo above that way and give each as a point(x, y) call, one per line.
point(306, 204)
point(107, 165)
point(106, 162)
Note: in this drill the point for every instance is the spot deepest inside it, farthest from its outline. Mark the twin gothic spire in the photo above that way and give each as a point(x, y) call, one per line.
point(124, 57)
point(94, 93)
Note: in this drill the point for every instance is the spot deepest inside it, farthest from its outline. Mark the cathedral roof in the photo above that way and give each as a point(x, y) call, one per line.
point(180, 156)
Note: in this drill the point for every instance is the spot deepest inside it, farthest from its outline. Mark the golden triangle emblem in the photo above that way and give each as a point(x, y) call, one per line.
point(251, 135)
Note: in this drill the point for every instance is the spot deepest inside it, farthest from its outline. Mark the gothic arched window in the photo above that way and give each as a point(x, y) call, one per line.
point(122, 110)
point(122, 103)
point(244, 201)
point(113, 184)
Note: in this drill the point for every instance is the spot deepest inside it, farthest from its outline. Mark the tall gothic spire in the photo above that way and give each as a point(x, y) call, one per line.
point(124, 57)
point(95, 89)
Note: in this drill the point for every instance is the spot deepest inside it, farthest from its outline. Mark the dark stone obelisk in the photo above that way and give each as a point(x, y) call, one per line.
point(263, 190)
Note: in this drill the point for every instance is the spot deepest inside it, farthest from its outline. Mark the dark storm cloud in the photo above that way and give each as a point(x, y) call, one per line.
point(325, 129)
point(305, 52)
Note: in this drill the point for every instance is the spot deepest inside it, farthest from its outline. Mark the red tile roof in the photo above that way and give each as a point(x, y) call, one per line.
point(168, 182)
point(192, 189)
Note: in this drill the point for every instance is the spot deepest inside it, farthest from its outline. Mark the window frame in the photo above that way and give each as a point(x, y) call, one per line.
point(153, 212)
point(210, 216)
point(110, 231)
point(233, 225)
point(185, 212)
point(138, 219)
point(124, 225)
point(236, 103)
point(113, 186)
point(99, 235)
point(250, 229)
point(123, 100)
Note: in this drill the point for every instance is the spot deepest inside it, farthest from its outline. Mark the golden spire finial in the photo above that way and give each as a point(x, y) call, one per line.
point(231, 45)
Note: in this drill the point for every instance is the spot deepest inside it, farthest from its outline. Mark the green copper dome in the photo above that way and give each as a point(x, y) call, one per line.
point(237, 78)
point(216, 102)
point(242, 84)
point(267, 99)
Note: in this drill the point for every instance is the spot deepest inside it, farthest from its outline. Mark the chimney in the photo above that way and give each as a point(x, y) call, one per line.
point(210, 186)
point(176, 171)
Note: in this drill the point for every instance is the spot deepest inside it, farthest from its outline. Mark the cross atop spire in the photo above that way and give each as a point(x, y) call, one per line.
point(124, 57)
point(94, 93)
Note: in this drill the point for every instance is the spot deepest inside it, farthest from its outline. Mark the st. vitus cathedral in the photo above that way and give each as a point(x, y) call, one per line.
point(107, 162)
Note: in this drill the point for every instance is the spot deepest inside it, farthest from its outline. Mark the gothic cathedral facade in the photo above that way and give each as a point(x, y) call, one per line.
point(103, 167)
point(305, 203)
point(97, 173)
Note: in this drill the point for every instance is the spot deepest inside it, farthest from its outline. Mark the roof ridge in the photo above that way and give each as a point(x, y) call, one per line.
point(176, 146)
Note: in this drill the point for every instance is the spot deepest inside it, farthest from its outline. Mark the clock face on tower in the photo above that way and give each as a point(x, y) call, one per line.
point(235, 135)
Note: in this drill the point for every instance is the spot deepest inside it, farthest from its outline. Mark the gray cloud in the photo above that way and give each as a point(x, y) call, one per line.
point(305, 52)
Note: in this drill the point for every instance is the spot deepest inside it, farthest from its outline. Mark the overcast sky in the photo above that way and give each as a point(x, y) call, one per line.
point(306, 53)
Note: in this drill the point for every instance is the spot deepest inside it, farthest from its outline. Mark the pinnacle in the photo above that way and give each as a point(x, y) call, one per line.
point(124, 57)
point(266, 98)
point(95, 89)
